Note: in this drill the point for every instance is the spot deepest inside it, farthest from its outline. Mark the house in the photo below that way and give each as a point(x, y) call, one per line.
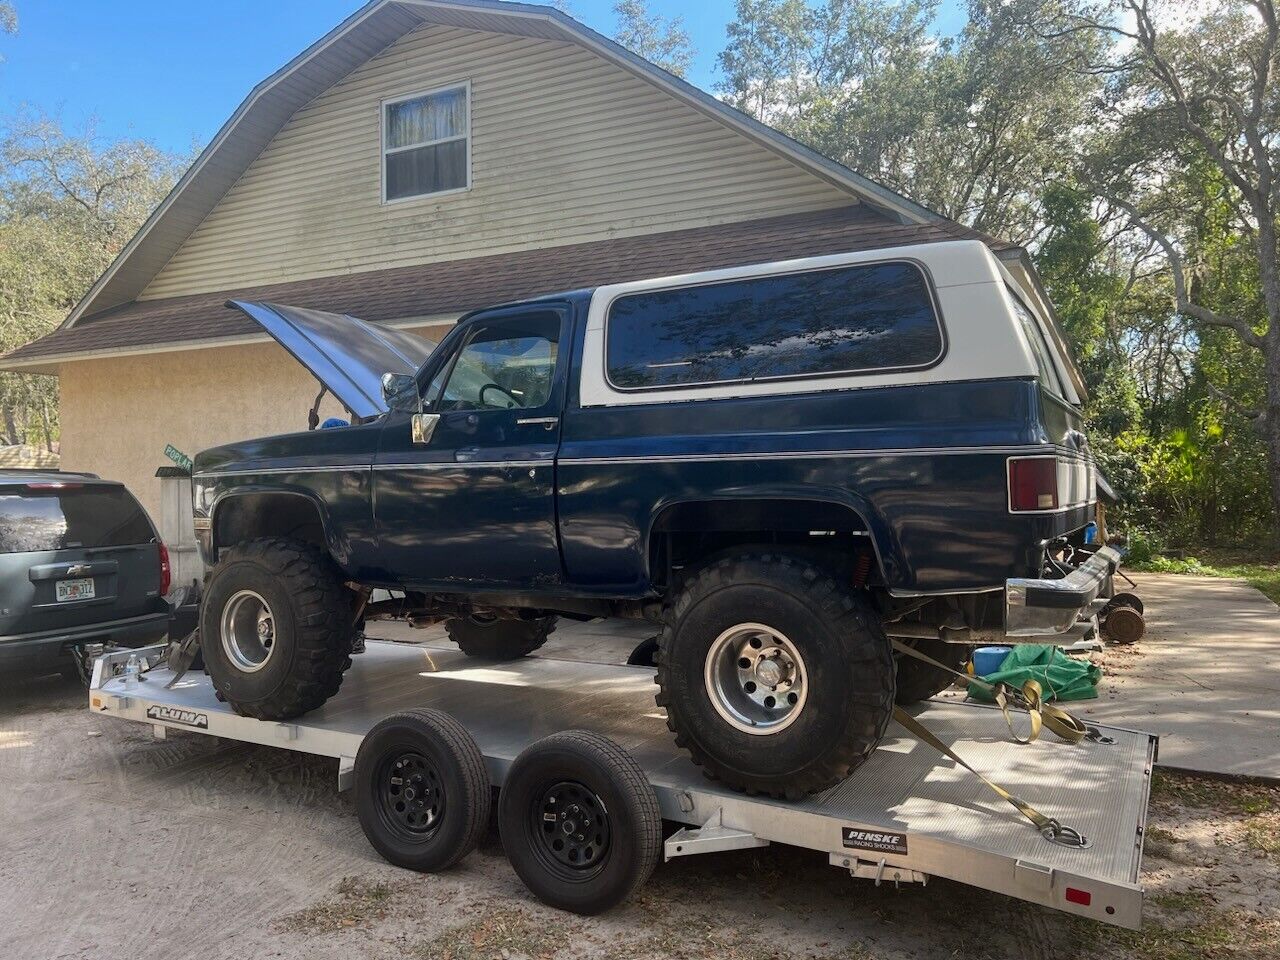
point(425, 158)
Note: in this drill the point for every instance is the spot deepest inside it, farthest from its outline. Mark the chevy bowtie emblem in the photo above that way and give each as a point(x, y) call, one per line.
point(78, 569)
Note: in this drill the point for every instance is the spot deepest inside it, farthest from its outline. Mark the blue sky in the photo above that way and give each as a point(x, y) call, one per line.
point(172, 71)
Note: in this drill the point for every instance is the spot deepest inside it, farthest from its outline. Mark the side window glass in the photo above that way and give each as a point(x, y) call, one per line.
point(504, 365)
point(1039, 346)
point(842, 320)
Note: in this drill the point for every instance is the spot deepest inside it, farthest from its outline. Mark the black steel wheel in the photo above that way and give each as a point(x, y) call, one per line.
point(579, 822)
point(571, 824)
point(422, 794)
point(409, 794)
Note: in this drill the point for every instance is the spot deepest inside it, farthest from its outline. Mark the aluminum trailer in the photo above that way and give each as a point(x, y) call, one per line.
point(907, 814)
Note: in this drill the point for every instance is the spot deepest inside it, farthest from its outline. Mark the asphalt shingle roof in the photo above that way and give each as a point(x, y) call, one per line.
point(454, 287)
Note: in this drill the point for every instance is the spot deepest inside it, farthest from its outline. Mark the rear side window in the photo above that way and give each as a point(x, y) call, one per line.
point(846, 320)
point(1039, 346)
point(70, 517)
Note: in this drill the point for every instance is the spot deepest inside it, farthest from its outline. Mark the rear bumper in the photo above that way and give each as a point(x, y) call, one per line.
point(44, 649)
point(1039, 607)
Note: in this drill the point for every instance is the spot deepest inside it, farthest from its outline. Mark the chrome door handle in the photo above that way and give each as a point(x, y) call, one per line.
point(547, 422)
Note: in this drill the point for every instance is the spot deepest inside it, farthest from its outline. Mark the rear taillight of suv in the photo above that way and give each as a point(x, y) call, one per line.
point(166, 573)
point(1033, 484)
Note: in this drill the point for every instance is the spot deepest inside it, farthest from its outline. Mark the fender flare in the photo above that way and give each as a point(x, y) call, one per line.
point(338, 546)
point(884, 543)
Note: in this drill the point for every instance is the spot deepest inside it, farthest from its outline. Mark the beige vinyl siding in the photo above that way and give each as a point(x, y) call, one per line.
point(565, 148)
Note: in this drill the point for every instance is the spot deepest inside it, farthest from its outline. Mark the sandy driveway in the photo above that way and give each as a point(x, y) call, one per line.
point(115, 845)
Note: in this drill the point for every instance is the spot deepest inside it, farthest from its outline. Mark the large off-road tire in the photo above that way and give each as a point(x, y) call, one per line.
point(291, 596)
point(499, 639)
point(579, 821)
point(918, 680)
point(777, 678)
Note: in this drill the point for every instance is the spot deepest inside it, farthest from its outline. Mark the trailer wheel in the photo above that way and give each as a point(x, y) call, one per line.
point(422, 794)
point(777, 678)
point(918, 680)
point(579, 822)
point(495, 639)
point(276, 628)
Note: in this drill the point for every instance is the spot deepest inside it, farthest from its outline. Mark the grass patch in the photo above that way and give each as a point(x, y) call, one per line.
point(501, 932)
point(356, 903)
point(1207, 934)
point(1264, 574)
point(1263, 833)
point(1204, 793)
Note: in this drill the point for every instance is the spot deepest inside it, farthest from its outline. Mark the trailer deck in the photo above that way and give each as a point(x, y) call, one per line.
point(905, 815)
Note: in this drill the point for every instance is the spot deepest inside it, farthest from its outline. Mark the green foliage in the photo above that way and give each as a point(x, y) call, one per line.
point(1038, 122)
point(659, 40)
point(68, 204)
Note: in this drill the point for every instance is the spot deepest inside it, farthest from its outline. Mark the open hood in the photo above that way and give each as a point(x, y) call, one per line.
point(347, 355)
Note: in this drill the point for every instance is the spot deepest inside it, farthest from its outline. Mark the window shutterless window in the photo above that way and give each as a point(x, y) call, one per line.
point(426, 143)
point(861, 318)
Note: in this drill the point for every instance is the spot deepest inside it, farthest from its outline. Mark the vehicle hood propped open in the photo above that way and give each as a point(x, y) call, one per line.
point(346, 354)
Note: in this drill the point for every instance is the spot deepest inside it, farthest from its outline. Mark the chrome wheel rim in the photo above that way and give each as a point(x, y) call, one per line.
point(248, 631)
point(756, 679)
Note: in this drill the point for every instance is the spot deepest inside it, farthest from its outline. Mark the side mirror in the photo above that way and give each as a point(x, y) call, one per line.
point(422, 426)
point(397, 388)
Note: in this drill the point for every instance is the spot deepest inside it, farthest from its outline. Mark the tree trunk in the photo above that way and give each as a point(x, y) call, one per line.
point(1271, 429)
point(10, 425)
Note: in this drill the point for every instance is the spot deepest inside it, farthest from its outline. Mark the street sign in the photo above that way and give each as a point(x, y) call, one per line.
point(178, 457)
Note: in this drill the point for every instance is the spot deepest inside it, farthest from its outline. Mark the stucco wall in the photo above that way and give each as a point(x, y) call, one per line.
point(118, 414)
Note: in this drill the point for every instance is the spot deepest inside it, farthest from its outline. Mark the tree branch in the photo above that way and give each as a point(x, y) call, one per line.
point(1242, 329)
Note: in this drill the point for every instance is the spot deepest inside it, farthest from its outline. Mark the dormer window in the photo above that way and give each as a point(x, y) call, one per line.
point(426, 143)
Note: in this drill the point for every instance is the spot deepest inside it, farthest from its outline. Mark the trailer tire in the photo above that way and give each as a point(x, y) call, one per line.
point(499, 639)
point(421, 791)
point(918, 680)
point(300, 658)
point(835, 697)
point(579, 822)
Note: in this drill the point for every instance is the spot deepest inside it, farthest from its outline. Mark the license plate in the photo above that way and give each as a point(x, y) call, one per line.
point(75, 589)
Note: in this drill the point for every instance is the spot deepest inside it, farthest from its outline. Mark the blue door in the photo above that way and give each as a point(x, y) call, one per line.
point(475, 503)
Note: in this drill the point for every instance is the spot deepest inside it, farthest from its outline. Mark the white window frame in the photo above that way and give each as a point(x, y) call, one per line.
point(384, 152)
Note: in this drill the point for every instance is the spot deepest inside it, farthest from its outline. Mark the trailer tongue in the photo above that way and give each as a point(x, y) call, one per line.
point(906, 815)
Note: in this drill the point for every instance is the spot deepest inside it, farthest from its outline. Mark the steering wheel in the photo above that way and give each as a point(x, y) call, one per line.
point(493, 386)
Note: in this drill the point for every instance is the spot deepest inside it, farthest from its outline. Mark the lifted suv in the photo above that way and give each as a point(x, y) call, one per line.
point(783, 464)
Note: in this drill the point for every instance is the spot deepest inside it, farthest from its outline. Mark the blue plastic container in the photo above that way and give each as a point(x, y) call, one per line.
point(987, 660)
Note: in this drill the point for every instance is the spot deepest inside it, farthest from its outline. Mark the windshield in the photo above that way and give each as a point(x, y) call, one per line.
point(70, 517)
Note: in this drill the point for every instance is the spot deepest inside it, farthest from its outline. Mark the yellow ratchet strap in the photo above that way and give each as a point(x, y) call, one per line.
point(1049, 828)
point(1029, 698)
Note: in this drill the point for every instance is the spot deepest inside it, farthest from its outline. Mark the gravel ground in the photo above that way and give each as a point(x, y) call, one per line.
point(115, 845)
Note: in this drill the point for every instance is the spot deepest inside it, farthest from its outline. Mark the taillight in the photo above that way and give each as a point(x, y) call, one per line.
point(1033, 483)
point(166, 573)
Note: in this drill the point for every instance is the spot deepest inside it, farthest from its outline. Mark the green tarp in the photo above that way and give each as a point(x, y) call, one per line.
point(1061, 677)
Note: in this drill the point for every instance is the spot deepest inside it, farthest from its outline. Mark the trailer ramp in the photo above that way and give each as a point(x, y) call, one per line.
point(905, 815)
